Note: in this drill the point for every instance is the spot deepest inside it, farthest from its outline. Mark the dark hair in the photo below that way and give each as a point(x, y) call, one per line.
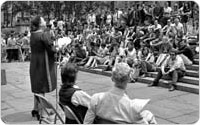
point(35, 23)
point(103, 45)
point(55, 23)
point(174, 51)
point(48, 25)
point(26, 33)
point(92, 44)
point(68, 74)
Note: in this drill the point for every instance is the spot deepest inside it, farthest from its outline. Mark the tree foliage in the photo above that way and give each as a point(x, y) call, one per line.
point(47, 8)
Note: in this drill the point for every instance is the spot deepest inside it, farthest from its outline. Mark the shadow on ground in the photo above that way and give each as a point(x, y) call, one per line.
point(19, 117)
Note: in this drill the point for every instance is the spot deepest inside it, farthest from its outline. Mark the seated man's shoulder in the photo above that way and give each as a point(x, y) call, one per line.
point(178, 57)
point(139, 104)
point(98, 95)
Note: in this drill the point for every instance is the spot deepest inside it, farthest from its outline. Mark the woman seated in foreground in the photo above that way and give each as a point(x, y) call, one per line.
point(71, 95)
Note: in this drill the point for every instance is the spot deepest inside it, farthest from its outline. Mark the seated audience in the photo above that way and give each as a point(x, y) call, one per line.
point(131, 54)
point(146, 58)
point(174, 67)
point(178, 27)
point(92, 53)
point(164, 49)
point(103, 52)
point(167, 29)
point(185, 52)
point(114, 51)
point(79, 53)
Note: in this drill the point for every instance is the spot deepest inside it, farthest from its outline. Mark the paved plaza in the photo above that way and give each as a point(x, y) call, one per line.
point(168, 107)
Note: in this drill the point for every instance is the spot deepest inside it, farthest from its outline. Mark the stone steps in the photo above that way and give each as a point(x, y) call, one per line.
point(196, 56)
point(192, 73)
point(165, 83)
point(196, 61)
point(190, 77)
point(192, 67)
point(187, 83)
point(185, 79)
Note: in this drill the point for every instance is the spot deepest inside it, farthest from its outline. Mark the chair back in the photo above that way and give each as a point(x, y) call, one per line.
point(100, 120)
point(45, 104)
point(69, 113)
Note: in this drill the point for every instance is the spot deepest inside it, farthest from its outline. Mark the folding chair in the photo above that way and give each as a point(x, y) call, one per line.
point(69, 113)
point(45, 104)
point(100, 120)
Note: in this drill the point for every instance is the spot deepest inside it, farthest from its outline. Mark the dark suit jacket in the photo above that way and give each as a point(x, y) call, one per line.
point(42, 63)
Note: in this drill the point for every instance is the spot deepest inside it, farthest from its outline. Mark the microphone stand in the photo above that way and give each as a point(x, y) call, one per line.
point(57, 66)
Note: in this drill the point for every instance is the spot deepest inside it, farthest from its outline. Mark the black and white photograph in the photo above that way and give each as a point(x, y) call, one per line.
point(99, 62)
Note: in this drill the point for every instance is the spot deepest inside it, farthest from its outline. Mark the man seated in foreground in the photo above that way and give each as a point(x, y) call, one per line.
point(115, 105)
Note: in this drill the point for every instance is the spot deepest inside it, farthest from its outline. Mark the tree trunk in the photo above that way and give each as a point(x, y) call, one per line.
point(112, 5)
point(11, 14)
point(7, 19)
point(22, 16)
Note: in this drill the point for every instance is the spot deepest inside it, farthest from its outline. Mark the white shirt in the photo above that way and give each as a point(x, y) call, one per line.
point(109, 18)
point(80, 98)
point(150, 57)
point(51, 22)
point(132, 54)
point(121, 51)
point(11, 42)
point(175, 64)
point(119, 14)
point(60, 24)
point(167, 10)
point(155, 27)
point(178, 27)
point(3, 42)
point(93, 18)
point(115, 18)
point(104, 51)
point(115, 105)
point(167, 28)
point(89, 18)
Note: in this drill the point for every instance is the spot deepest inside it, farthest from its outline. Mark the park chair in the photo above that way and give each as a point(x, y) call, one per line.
point(69, 114)
point(100, 120)
point(45, 104)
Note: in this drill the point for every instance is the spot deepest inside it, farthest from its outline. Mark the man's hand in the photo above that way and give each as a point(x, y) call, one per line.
point(165, 73)
point(57, 49)
point(169, 71)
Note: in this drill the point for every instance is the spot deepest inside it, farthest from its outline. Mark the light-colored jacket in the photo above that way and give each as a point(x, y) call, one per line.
point(115, 105)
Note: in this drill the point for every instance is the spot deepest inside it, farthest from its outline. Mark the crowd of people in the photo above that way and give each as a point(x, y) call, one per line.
point(15, 46)
point(129, 42)
point(144, 43)
point(141, 36)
